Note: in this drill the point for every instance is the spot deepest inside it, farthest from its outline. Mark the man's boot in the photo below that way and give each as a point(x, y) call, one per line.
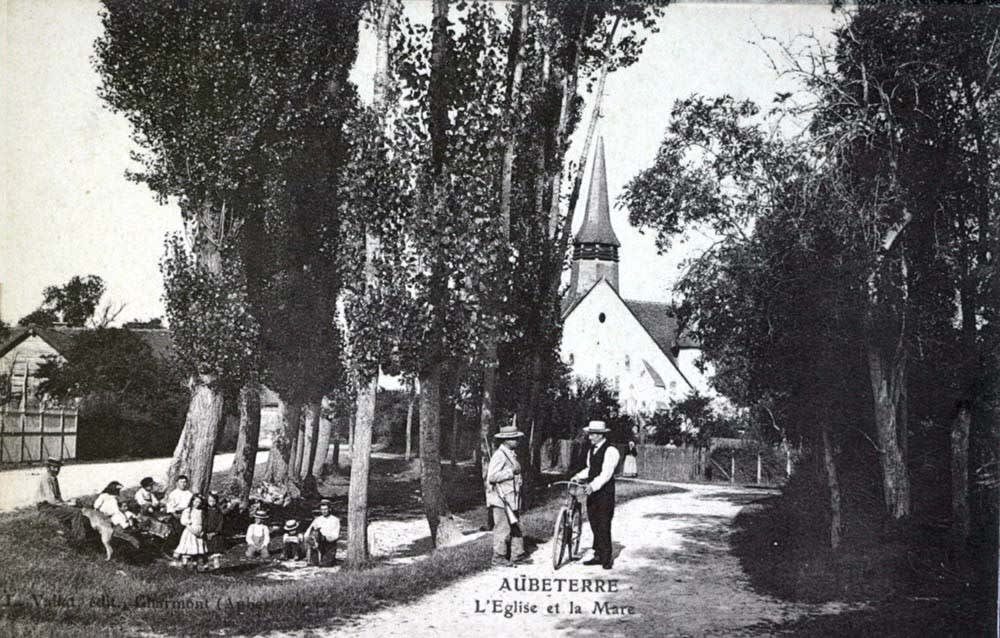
point(517, 554)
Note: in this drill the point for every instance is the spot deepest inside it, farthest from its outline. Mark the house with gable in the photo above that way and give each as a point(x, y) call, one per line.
point(634, 345)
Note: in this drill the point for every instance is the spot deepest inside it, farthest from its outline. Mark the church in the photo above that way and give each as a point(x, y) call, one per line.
point(633, 345)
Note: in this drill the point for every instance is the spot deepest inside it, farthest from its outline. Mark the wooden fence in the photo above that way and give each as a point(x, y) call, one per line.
point(729, 461)
point(756, 465)
point(33, 435)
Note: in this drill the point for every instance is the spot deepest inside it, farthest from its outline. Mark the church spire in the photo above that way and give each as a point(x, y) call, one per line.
point(595, 247)
point(596, 227)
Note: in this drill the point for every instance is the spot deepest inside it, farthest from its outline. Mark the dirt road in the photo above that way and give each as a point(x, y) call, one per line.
point(673, 576)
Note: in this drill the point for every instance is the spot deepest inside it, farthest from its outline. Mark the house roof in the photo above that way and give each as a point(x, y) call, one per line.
point(596, 227)
point(61, 338)
point(655, 317)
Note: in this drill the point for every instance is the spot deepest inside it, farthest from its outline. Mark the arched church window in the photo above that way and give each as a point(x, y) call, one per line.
point(572, 359)
point(601, 317)
point(628, 362)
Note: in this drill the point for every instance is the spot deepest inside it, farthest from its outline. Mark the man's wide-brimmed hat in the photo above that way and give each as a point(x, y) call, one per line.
point(260, 514)
point(53, 462)
point(508, 432)
point(291, 525)
point(596, 427)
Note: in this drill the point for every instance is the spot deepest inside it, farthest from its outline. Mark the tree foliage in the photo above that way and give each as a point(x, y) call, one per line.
point(73, 303)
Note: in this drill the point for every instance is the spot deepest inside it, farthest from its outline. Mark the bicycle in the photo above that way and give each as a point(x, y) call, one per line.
point(569, 524)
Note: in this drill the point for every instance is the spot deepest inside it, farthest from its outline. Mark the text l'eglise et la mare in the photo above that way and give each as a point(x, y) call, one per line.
point(502, 604)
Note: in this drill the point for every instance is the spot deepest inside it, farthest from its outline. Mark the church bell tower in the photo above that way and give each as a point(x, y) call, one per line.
point(595, 247)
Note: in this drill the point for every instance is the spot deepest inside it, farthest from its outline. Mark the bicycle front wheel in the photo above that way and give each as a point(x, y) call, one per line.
point(576, 526)
point(559, 539)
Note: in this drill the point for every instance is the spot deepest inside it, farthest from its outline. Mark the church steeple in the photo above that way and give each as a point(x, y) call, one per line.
point(595, 247)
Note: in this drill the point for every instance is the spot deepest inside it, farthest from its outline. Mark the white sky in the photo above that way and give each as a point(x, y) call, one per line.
point(66, 208)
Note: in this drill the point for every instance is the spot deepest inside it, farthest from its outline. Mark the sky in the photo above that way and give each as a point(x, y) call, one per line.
point(66, 208)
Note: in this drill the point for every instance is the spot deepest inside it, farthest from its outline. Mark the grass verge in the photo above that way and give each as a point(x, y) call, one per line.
point(906, 573)
point(50, 589)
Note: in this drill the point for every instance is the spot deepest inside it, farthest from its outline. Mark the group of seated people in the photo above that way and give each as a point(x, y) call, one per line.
point(317, 545)
point(201, 521)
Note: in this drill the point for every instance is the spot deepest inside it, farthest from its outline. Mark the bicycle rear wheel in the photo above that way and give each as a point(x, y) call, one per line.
point(559, 538)
point(576, 527)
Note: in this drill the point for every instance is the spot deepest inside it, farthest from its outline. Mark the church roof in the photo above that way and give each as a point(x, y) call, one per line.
point(658, 320)
point(596, 227)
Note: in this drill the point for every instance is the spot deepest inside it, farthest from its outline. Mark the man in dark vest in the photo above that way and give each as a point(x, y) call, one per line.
point(600, 478)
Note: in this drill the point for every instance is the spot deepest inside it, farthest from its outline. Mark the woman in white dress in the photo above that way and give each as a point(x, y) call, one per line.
point(192, 546)
point(629, 468)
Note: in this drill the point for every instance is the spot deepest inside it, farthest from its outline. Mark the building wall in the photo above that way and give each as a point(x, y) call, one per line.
point(27, 355)
point(587, 272)
point(615, 348)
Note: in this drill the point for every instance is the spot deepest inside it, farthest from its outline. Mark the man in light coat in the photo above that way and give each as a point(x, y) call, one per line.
point(503, 496)
point(600, 478)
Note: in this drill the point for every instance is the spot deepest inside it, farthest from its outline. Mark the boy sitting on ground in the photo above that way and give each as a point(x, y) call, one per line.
point(292, 545)
point(258, 536)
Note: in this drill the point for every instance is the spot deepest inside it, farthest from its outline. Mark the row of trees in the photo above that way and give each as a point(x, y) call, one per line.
point(328, 240)
point(851, 299)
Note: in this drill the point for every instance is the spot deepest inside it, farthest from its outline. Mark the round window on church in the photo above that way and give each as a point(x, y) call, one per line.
point(601, 317)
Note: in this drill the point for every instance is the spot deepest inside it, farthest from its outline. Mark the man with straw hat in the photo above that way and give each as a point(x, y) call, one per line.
point(503, 496)
point(600, 478)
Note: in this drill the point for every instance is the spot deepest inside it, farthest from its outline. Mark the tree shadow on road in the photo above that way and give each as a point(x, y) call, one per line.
point(695, 589)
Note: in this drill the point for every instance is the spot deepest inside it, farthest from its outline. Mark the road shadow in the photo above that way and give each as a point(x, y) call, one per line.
point(696, 588)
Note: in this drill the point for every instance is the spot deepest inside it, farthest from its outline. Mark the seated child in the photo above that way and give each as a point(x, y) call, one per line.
point(258, 536)
point(292, 545)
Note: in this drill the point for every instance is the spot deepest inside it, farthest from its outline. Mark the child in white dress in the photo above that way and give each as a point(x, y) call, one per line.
point(192, 546)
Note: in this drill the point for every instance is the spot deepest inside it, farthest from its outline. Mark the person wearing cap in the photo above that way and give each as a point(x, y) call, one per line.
point(144, 497)
point(323, 534)
point(48, 486)
point(503, 496)
point(292, 547)
point(599, 475)
point(258, 536)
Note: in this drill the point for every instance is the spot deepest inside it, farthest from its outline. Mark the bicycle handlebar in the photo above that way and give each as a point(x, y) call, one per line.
point(580, 483)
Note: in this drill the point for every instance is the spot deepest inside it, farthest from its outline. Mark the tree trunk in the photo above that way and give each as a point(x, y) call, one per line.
point(335, 453)
point(350, 434)
point(833, 483)
point(195, 451)
point(409, 419)
point(443, 528)
point(886, 380)
point(357, 498)
point(322, 447)
point(279, 460)
point(311, 430)
point(456, 418)
point(960, 525)
point(245, 459)
point(299, 450)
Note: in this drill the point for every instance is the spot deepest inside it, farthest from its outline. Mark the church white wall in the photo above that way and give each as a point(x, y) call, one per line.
point(615, 348)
